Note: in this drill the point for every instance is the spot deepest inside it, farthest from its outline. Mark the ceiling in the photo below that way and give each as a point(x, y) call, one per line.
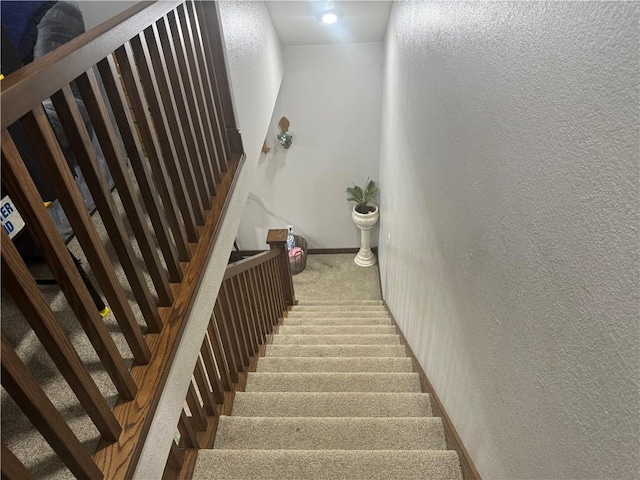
point(361, 21)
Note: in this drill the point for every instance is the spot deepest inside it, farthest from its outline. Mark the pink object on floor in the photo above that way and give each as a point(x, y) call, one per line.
point(295, 252)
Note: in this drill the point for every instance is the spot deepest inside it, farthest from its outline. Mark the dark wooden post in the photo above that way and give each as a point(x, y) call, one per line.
point(277, 239)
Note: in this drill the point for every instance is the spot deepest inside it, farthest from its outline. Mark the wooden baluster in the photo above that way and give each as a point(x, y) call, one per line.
point(101, 122)
point(176, 457)
point(25, 391)
point(198, 85)
point(149, 137)
point(160, 139)
point(85, 154)
point(174, 31)
point(239, 319)
point(271, 308)
point(247, 320)
point(187, 433)
point(149, 46)
point(259, 293)
point(253, 308)
point(205, 390)
point(45, 144)
point(208, 80)
point(152, 199)
point(197, 413)
point(206, 23)
point(262, 310)
point(230, 354)
point(224, 312)
point(211, 21)
point(12, 468)
point(30, 205)
point(165, 121)
point(277, 240)
point(216, 346)
point(273, 289)
point(233, 320)
point(18, 281)
point(282, 306)
point(273, 275)
point(161, 48)
point(210, 367)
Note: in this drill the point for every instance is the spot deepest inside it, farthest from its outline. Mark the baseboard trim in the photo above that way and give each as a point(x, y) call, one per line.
point(331, 251)
point(454, 442)
point(313, 251)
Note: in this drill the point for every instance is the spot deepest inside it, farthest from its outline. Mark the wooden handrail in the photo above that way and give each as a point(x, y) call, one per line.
point(251, 301)
point(160, 66)
point(248, 263)
point(118, 460)
point(24, 89)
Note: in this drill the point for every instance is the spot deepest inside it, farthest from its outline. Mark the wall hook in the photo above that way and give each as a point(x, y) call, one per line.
point(284, 137)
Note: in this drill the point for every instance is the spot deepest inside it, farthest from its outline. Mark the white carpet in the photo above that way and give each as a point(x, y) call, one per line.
point(334, 397)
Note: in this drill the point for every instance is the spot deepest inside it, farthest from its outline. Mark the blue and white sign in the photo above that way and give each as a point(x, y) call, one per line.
point(11, 220)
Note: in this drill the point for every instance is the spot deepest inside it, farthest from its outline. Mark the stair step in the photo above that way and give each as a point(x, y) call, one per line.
point(326, 433)
point(386, 339)
point(319, 404)
point(327, 464)
point(303, 303)
point(335, 364)
point(337, 321)
point(339, 308)
point(333, 382)
point(338, 314)
point(335, 351)
point(336, 329)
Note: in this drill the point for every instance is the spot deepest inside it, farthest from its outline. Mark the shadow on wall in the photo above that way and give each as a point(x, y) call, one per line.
point(268, 218)
point(274, 161)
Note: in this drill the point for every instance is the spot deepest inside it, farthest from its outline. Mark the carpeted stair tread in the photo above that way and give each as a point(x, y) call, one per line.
point(311, 302)
point(327, 464)
point(337, 404)
point(337, 321)
point(330, 433)
point(335, 351)
point(385, 339)
point(339, 314)
point(339, 308)
point(333, 382)
point(336, 329)
point(335, 364)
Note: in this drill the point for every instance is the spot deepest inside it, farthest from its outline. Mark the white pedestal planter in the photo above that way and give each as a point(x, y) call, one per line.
point(365, 222)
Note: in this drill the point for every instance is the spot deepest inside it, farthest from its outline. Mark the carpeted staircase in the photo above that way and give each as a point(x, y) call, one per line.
point(335, 397)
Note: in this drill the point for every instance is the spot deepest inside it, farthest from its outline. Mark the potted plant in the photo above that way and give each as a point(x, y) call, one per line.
point(365, 216)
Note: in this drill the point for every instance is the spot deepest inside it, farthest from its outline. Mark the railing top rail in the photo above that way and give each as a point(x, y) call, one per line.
point(24, 89)
point(248, 263)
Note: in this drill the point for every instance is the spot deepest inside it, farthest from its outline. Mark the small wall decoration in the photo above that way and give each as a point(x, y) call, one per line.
point(284, 137)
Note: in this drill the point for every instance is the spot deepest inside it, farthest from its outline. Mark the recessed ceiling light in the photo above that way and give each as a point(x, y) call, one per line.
point(328, 17)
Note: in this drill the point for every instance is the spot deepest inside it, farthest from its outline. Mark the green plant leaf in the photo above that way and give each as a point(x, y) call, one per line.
point(363, 196)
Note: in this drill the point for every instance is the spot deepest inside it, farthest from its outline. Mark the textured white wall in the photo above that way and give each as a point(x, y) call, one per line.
point(332, 96)
point(97, 11)
point(255, 68)
point(509, 179)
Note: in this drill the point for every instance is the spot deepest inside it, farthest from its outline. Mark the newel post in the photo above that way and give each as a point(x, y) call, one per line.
point(277, 240)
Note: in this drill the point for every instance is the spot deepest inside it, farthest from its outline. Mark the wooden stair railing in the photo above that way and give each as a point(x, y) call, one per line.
point(255, 295)
point(161, 65)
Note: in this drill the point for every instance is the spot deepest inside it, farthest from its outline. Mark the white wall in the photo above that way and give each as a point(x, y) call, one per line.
point(332, 96)
point(98, 11)
point(255, 68)
point(509, 180)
